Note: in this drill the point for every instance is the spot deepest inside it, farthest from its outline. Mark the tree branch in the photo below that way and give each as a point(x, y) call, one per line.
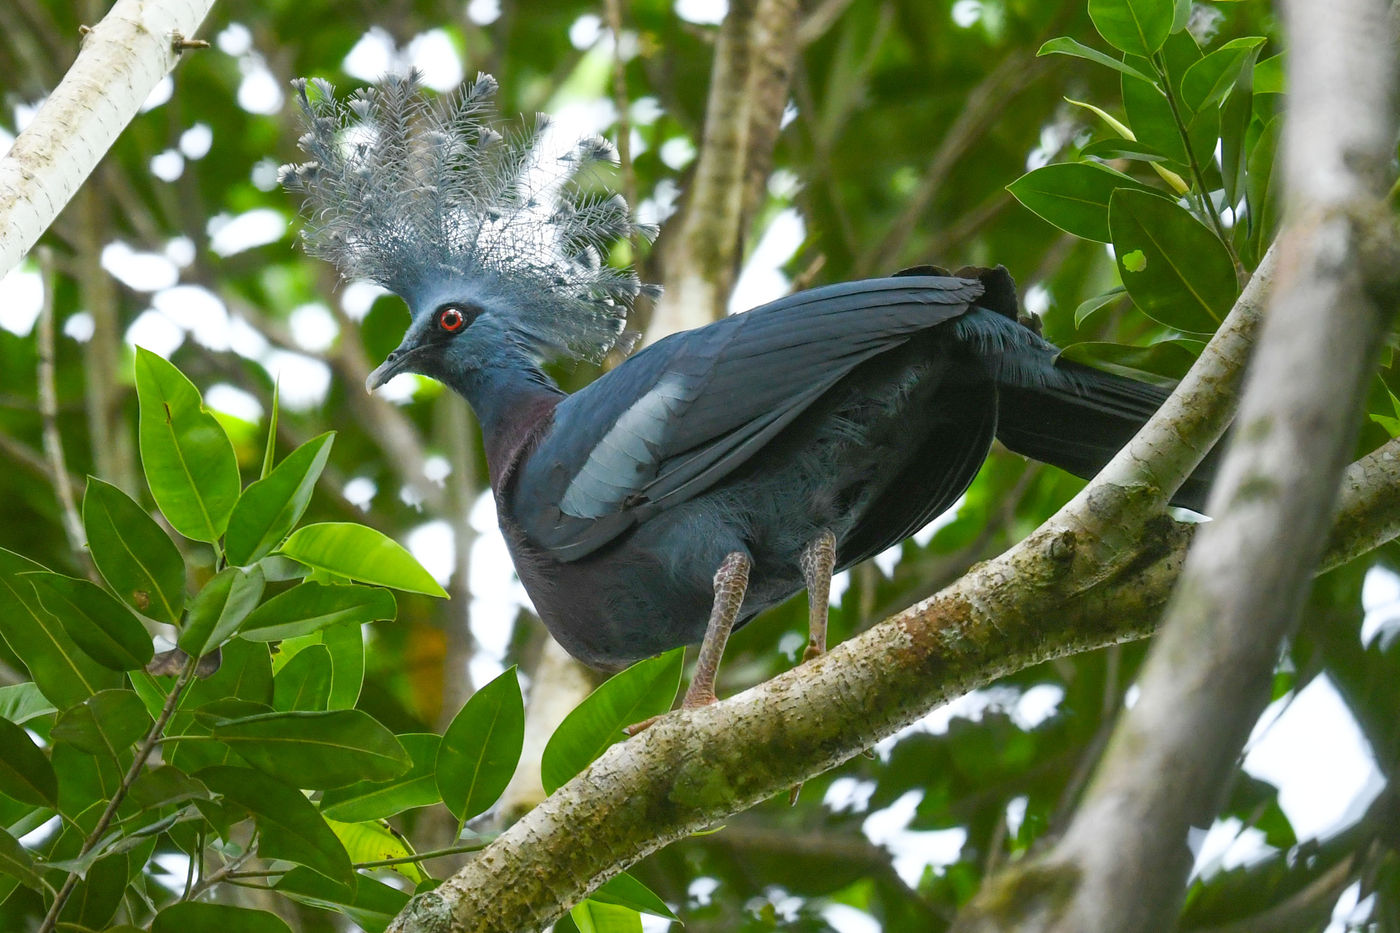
point(694, 769)
point(121, 60)
point(748, 92)
point(1207, 677)
point(1096, 574)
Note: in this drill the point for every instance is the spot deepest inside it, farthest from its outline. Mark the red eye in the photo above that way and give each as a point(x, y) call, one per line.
point(451, 319)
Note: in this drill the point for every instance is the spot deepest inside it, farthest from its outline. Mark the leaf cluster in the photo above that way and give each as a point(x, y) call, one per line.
point(242, 748)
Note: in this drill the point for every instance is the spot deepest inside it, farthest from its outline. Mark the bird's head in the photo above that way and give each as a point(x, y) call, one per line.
point(491, 234)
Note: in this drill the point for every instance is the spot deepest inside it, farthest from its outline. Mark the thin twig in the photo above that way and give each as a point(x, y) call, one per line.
point(624, 120)
point(816, 23)
point(425, 856)
point(984, 103)
point(48, 411)
point(194, 859)
point(143, 752)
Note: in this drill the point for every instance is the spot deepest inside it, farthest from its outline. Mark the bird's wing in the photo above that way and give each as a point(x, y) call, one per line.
point(688, 411)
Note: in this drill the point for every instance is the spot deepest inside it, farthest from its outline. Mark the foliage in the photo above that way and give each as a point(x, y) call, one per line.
point(336, 734)
point(260, 727)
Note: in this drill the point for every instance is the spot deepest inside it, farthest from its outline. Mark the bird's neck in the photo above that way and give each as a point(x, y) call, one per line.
point(510, 402)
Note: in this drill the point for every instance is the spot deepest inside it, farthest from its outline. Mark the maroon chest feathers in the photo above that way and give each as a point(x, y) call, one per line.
point(510, 440)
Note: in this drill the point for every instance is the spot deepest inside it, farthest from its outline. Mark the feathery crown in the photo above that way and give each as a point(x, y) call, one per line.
point(404, 192)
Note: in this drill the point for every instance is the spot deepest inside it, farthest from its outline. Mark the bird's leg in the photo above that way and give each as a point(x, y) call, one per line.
point(731, 580)
point(818, 560)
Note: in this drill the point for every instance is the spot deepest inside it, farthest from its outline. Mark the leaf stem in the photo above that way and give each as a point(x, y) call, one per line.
point(143, 753)
point(1202, 192)
point(424, 856)
point(194, 858)
point(230, 870)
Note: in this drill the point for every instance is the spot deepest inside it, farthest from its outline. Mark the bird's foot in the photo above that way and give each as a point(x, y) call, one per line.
point(818, 560)
point(693, 700)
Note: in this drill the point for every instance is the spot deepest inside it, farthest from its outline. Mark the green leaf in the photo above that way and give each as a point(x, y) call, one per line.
point(360, 553)
point(1121, 149)
point(288, 825)
point(1210, 79)
point(220, 608)
point(134, 555)
point(25, 773)
point(371, 905)
point(1163, 363)
point(645, 689)
point(1150, 117)
point(377, 800)
point(104, 628)
point(626, 891)
point(165, 785)
point(63, 672)
point(1235, 117)
point(592, 916)
point(1187, 281)
point(346, 643)
point(1064, 45)
point(20, 703)
point(270, 450)
point(189, 461)
point(96, 898)
point(1118, 126)
point(1263, 184)
point(1269, 76)
point(304, 682)
point(1088, 307)
point(481, 747)
point(310, 607)
point(1181, 14)
point(17, 863)
point(269, 508)
point(1138, 27)
point(1073, 196)
point(374, 841)
point(202, 917)
point(245, 674)
point(106, 723)
point(316, 750)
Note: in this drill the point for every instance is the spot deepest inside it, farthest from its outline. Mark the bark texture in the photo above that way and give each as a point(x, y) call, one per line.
point(121, 60)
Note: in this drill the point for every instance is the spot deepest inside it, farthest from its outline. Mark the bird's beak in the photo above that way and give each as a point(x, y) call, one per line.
point(393, 364)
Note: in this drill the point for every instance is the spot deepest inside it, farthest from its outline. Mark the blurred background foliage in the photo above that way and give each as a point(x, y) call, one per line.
point(908, 118)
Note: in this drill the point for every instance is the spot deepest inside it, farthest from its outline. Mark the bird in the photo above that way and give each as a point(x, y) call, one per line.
point(721, 470)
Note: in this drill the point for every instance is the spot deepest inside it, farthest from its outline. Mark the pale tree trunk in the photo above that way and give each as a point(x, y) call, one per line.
point(1122, 864)
point(122, 59)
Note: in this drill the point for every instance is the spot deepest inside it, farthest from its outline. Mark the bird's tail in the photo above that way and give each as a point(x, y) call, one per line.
point(1055, 410)
point(1077, 418)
